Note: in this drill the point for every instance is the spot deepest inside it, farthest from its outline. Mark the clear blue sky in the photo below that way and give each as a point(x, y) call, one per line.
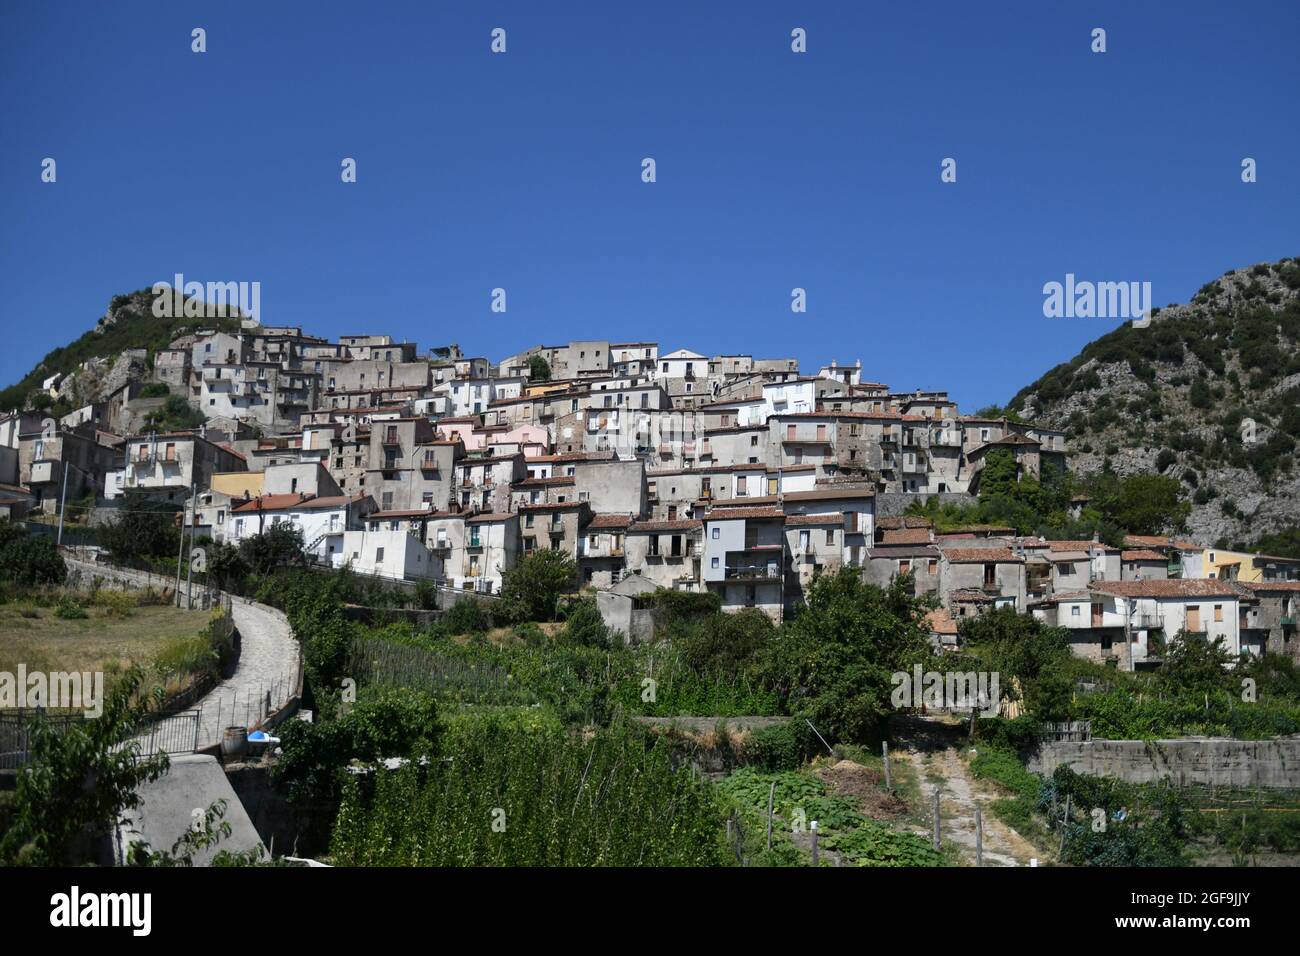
point(522, 170)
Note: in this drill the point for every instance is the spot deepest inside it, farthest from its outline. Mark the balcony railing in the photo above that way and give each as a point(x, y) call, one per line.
point(752, 572)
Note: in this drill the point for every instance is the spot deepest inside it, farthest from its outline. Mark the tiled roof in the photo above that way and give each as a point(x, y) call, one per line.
point(907, 536)
point(1079, 545)
point(904, 551)
point(1173, 588)
point(982, 556)
point(490, 517)
point(903, 521)
point(1142, 554)
point(832, 518)
point(652, 527)
point(609, 521)
point(731, 514)
point(294, 502)
point(941, 622)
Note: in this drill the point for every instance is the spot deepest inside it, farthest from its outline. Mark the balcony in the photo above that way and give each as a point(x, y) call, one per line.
point(474, 544)
point(44, 472)
point(391, 438)
point(440, 547)
point(1146, 621)
point(753, 571)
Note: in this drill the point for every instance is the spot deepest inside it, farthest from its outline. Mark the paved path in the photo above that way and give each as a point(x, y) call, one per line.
point(268, 659)
point(931, 746)
point(268, 663)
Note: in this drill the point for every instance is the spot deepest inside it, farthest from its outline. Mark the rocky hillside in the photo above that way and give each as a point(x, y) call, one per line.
point(1208, 393)
point(120, 348)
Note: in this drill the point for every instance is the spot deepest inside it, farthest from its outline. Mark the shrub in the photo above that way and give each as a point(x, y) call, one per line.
point(69, 609)
point(27, 559)
point(782, 746)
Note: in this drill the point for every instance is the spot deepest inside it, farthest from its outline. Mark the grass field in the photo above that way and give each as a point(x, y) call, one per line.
point(35, 636)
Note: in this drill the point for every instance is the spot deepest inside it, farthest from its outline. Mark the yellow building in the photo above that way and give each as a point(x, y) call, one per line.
point(1249, 568)
point(238, 484)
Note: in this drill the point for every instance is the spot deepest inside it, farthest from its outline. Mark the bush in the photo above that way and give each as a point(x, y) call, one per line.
point(467, 616)
point(779, 747)
point(27, 559)
point(69, 609)
point(116, 603)
point(531, 590)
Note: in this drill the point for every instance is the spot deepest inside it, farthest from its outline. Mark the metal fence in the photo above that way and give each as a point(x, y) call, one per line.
point(173, 734)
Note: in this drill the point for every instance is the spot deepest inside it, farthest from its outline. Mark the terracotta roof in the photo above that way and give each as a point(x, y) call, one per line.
point(294, 502)
point(544, 482)
point(651, 527)
point(982, 556)
point(731, 514)
point(1174, 588)
point(1083, 545)
point(904, 551)
point(941, 622)
point(490, 517)
point(903, 521)
point(552, 506)
point(609, 521)
point(907, 536)
point(412, 513)
point(1273, 585)
point(1142, 554)
point(831, 518)
point(971, 594)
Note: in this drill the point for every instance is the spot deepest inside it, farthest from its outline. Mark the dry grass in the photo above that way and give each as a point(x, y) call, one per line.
point(102, 641)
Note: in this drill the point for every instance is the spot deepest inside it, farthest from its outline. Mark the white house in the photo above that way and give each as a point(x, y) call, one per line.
point(389, 553)
point(323, 520)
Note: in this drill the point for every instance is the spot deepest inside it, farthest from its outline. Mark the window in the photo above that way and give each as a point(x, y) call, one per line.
point(753, 441)
point(379, 555)
point(713, 563)
point(1074, 610)
point(717, 533)
point(1218, 612)
point(830, 535)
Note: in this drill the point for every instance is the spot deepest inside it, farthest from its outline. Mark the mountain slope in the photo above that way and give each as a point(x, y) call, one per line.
point(1178, 398)
point(129, 323)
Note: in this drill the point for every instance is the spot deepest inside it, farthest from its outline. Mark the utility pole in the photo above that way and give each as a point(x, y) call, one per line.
point(189, 565)
point(63, 498)
point(180, 554)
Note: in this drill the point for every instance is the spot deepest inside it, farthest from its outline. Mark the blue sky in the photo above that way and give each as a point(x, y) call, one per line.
point(522, 171)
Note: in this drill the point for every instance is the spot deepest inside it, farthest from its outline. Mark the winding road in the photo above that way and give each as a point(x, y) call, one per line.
point(268, 658)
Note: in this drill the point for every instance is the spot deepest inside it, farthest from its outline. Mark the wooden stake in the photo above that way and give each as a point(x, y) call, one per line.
point(979, 838)
point(889, 783)
point(771, 794)
point(936, 817)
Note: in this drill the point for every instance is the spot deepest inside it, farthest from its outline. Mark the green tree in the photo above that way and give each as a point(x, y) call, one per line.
point(538, 369)
point(834, 661)
point(531, 589)
point(1194, 666)
point(144, 528)
point(278, 546)
point(27, 559)
point(80, 780)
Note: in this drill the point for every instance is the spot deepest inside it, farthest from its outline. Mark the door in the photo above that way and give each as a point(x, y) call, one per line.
point(1194, 618)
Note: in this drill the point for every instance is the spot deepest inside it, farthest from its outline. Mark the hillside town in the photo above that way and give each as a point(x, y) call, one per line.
point(741, 476)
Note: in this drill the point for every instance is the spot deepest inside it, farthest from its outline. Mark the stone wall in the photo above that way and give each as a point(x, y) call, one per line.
point(1197, 761)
